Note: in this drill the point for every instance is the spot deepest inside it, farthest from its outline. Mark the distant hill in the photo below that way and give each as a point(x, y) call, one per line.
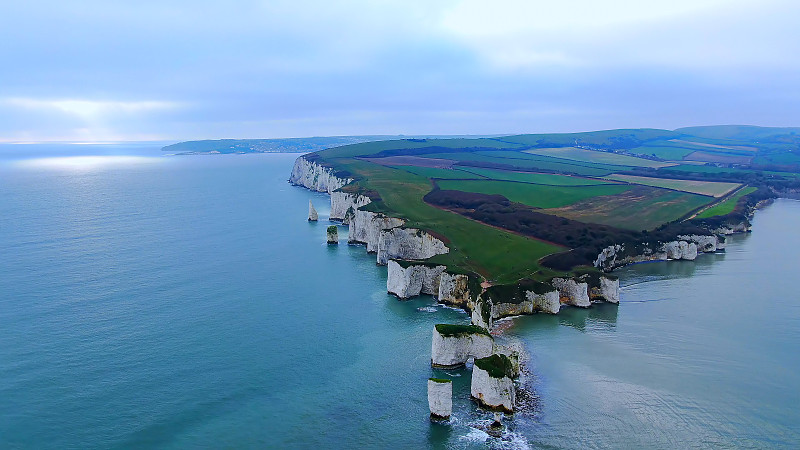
point(284, 145)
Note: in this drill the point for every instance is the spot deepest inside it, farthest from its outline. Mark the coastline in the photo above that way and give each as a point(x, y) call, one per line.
point(409, 275)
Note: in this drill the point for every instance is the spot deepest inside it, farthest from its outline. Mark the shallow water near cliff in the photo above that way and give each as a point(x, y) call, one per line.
point(173, 302)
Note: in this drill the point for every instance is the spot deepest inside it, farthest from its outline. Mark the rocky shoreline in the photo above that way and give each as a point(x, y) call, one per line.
point(404, 251)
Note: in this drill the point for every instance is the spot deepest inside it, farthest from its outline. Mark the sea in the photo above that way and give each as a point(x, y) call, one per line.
point(158, 301)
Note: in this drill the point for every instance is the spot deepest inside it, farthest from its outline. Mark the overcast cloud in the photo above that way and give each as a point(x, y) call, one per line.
point(106, 70)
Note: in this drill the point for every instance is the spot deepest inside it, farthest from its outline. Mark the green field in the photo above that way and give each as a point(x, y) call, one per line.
point(535, 195)
point(431, 172)
point(530, 162)
point(579, 154)
point(496, 254)
point(535, 178)
point(640, 208)
point(548, 172)
point(663, 152)
point(712, 188)
point(726, 206)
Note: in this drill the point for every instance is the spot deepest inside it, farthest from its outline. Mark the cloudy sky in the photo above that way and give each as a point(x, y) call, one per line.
point(162, 70)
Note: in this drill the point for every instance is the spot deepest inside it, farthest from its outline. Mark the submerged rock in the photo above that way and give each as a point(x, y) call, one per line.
point(440, 398)
point(492, 386)
point(333, 234)
point(453, 345)
point(312, 213)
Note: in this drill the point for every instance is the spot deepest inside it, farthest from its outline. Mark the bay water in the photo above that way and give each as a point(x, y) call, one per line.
point(151, 301)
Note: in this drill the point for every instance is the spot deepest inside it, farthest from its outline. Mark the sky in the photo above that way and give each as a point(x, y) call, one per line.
point(110, 70)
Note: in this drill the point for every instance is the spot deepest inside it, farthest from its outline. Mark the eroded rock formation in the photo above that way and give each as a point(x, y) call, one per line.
point(312, 213)
point(366, 227)
point(572, 292)
point(344, 205)
point(492, 385)
point(440, 398)
point(333, 234)
point(408, 243)
point(454, 345)
point(407, 280)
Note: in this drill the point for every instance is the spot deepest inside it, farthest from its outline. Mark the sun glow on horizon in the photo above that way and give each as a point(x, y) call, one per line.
point(86, 162)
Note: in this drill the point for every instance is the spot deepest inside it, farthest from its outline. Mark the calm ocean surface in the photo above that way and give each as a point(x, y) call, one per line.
point(184, 302)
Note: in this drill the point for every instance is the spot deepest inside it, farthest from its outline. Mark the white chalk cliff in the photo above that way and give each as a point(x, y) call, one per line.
point(496, 393)
point(453, 289)
point(685, 247)
point(454, 349)
point(344, 205)
point(408, 243)
point(572, 292)
point(366, 227)
point(315, 176)
point(440, 398)
point(547, 302)
point(413, 280)
point(607, 291)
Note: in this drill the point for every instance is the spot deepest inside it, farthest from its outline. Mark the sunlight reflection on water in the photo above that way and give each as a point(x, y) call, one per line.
point(85, 162)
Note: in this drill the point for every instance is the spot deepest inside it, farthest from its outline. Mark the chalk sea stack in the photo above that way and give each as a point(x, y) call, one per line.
point(492, 385)
point(333, 234)
point(312, 213)
point(440, 398)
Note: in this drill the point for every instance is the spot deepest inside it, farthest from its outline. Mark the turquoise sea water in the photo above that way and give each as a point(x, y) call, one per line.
point(184, 302)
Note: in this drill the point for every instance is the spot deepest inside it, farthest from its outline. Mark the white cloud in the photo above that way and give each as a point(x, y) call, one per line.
point(90, 109)
point(513, 34)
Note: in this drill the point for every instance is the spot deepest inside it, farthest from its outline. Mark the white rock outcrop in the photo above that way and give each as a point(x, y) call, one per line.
point(366, 227)
point(312, 213)
point(333, 234)
point(413, 280)
point(548, 302)
point(315, 176)
point(741, 227)
point(407, 243)
point(440, 398)
point(344, 205)
point(705, 244)
point(685, 247)
point(496, 393)
point(455, 344)
point(680, 250)
point(454, 289)
point(608, 290)
point(481, 312)
point(572, 292)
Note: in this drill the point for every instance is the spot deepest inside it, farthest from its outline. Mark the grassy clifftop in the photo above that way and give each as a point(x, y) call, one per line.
point(502, 204)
